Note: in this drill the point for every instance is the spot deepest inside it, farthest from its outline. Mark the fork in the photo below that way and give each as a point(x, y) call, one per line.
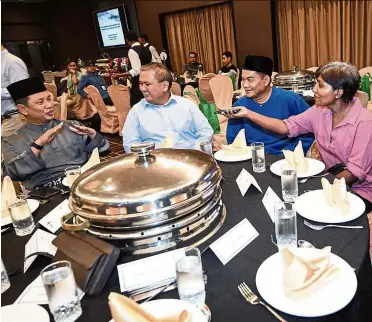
point(253, 299)
point(320, 227)
point(318, 176)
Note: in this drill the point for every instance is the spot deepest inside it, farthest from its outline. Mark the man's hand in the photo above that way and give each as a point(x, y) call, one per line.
point(49, 135)
point(242, 113)
point(83, 130)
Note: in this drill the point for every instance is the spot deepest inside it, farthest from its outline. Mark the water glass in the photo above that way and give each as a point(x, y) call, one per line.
point(61, 289)
point(285, 225)
point(5, 284)
point(289, 183)
point(206, 147)
point(190, 279)
point(72, 173)
point(258, 157)
point(20, 213)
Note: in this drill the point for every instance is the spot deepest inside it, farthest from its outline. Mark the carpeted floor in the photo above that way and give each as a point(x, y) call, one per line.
point(116, 144)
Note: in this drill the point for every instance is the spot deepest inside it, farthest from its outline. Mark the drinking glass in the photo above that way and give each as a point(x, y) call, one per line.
point(20, 213)
point(258, 157)
point(285, 225)
point(60, 286)
point(5, 284)
point(190, 279)
point(72, 173)
point(289, 183)
point(206, 147)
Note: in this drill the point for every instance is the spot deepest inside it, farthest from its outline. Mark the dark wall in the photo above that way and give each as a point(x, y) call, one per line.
point(252, 22)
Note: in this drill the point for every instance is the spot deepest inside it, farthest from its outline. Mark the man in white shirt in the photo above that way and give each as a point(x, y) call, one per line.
point(143, 39)
point(138, 56)
point(13, 69)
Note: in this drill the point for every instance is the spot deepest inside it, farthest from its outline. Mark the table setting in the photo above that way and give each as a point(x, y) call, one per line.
point(306, 274)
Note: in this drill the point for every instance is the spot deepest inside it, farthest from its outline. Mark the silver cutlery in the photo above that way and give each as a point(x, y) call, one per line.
point(4, 229)
point(253, 299)
point(318, 176)
point(304, 244)
point(320, 227)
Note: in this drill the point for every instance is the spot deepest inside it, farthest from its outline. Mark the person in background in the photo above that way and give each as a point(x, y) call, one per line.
point(13, 69)
point(342, 127)
point(44, 147)
point(163, 118)
point(193, 68)
point(73, 80)
point(92, 78)
point(228, 68)
point(143, 39)
point(267, 101)
point(138, 56)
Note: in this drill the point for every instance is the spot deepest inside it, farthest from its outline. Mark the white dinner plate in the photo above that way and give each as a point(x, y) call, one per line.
point(65, 181)
point(24, 312)
point(171, 309)
point(32, 204)
point(331, 296)
point(312, 205)
point(315, 167)
point(222, 156)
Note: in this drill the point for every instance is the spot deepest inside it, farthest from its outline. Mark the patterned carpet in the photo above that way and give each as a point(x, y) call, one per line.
point(116, 144)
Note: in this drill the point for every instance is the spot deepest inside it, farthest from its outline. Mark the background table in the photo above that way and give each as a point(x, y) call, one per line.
point(223, 298)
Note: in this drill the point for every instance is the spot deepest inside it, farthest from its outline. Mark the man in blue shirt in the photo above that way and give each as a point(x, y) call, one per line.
point(272, 102)
point(163, 118)
point(92, 78)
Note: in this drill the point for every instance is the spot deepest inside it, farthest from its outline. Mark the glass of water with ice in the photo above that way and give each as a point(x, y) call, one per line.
point(289, 183)
point(258, 157)
point(190, 279)
point(60, 286)
point(20, 213)
point(285, 225)
point(5, 284)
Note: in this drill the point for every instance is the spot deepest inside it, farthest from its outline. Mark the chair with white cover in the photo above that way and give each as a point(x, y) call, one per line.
point(363, 97)
point(364, 71)
point(237, 79)
point(109, 117)
point(52, 88)
point(120, 96)
point(223, 93)
point(205, 89)
point(48, 78)
point(176, 89)
point(272, 78)
point(189, 92)
point(312, 69)
point(63, 114)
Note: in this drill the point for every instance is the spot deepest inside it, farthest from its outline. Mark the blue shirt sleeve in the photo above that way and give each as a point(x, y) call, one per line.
point(82, 84)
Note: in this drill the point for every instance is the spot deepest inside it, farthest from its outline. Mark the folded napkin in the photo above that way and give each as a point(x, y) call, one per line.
point(8, 193)
point(336, 194)
point(93, 160)
point(123, 309)
point(296, 158)
point(238, 147)
point(306, 267)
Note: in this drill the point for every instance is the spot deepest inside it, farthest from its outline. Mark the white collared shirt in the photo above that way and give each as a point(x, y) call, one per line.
point(155, 56)
point(13, 69)
point(135, 61)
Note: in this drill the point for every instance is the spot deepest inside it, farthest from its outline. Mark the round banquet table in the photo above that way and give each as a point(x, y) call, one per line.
point(223, 297)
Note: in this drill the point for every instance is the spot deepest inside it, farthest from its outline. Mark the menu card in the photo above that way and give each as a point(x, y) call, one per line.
point(149, 271)
point(231, 243)
point(245, 180)
point(52, 221)
point(269, 201)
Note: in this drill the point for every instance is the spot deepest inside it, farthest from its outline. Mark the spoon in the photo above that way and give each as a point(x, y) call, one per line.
point(319, 176)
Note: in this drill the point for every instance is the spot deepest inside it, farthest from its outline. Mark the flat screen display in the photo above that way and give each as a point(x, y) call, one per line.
point(110, 26)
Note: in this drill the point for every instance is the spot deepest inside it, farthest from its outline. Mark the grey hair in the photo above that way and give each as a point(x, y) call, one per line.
point(22, 101)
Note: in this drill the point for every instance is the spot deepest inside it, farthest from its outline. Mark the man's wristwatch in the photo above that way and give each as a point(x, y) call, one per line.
point(36, 146)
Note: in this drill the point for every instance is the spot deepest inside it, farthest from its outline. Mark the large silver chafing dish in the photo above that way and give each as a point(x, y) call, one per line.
point(149, 201)
point(295, 79)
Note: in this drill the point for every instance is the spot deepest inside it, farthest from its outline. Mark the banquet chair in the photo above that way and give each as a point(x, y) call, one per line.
point(48, 78)
point(223, 93)
point(120, 96)
point(63, 113)
point(237, 79)
point(109, 117)
point(364, 71)
point(272, 78)
point(363, 97)
point(176, 89)
point(204, 87)
point(312, 69)
point(189, 92)
point(52, 88)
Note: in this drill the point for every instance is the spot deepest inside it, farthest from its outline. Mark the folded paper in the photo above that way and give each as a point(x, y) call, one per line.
point(93, 160)
point(336, 194)
point(296, 158)
point(238, 147)
point(8, 194)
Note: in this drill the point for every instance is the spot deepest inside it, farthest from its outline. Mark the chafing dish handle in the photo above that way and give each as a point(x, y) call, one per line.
point(73, 227)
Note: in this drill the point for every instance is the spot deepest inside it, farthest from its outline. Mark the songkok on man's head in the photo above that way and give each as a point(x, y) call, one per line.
point(26, 87)
point(260, 64)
